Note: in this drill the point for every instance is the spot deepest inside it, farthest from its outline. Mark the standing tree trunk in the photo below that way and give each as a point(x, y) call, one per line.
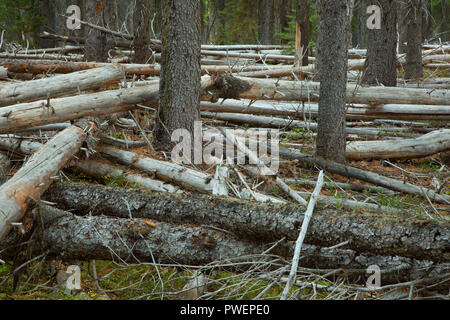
point(47, 10)
point(179, 86)
point(402, 10)
point(141, 41)
point(444, 29)
point(265, 21)
point(362, 24)
point(334, 23)
point(220, 25)
point(380, 67)
point(101, 13)
point(284, 11)
point(302, 17)
point(414, 67)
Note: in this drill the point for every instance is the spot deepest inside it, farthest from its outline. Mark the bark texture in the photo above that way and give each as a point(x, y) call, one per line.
point(302, 17)
point(379, 234)
point(141, 25)
point(179, 90)
point(414, 12)
point(382, 48)
point(333, 79)
point(265, 25)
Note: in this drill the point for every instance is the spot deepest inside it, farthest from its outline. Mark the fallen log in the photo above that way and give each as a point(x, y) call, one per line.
point(42, 112)
point(37, 173)
point(260, 121)
point(367, 176)
point(267, 89)
point(352, 111)
point(43, 56)
point(3, 73)
point(59, 85)
point(428, 144)
point(59, 66)
point(376, 233)
point(188, 245)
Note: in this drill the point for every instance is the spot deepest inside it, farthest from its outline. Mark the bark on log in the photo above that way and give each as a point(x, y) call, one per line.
point(36, 175)
point(376, 233)
point(267, 89)
point(59, 85)
point(428, 144)
point(367, 176)
point(69, 237)
point(36, 113)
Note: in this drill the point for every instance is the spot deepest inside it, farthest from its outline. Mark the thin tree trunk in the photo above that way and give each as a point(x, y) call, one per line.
point(265, 29)
point(141, 41)
point(302, 18)
point(382, 48)
point(444, 29)
point(414, 67)
point(333, 79)
point(95, 48)
point(179, 95)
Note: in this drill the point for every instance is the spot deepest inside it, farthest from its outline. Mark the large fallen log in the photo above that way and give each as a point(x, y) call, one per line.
point(59, 85)
point(428, 144)
point(367, 176)
point(352, 111)
point(59, 66)
point(267, 89)
point(69, 237)
point(376, 233)
point(42, 112)
point(37, 173)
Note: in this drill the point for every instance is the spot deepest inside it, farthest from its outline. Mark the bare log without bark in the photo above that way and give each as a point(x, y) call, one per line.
point(380, 234)
point(42, 112)
point(352, 111)
point(367, 176)
point(36, 175)
point(267, 89)
point(428, 144)
point(59, 85)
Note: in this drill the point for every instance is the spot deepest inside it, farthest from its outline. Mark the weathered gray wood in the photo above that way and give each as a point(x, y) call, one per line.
point(428, 144)
point(36, 175)
point(367, 176)
point(268, 89)
point(59, 85)
point(37, 113)
point(377, 233)
point(352, 111)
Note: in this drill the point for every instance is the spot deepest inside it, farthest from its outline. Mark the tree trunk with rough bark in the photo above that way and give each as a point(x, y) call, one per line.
point(382, 48)
point(265, 28)
point(333, 79)
point(141, 25)
point(302, 18)
point(179, 95)
point(414, 67)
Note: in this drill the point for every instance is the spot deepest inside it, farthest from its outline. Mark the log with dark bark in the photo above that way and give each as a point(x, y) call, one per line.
point(69, 237)
point(376, 233)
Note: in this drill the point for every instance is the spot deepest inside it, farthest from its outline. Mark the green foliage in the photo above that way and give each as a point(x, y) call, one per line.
point(20, 18)
point(288, 33)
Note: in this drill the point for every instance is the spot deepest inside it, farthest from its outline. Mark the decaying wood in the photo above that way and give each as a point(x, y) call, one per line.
point(37, 173)
point(3, 73)
point(367, 176)
point(188, 178)
point(59, 85)
point(42, 112)
point(352, 111)
point(69, 237)
point(267, 89)
point(428, 144)
point(376, 233)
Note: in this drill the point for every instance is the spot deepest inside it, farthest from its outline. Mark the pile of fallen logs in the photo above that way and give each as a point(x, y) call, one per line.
point(193, 217)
